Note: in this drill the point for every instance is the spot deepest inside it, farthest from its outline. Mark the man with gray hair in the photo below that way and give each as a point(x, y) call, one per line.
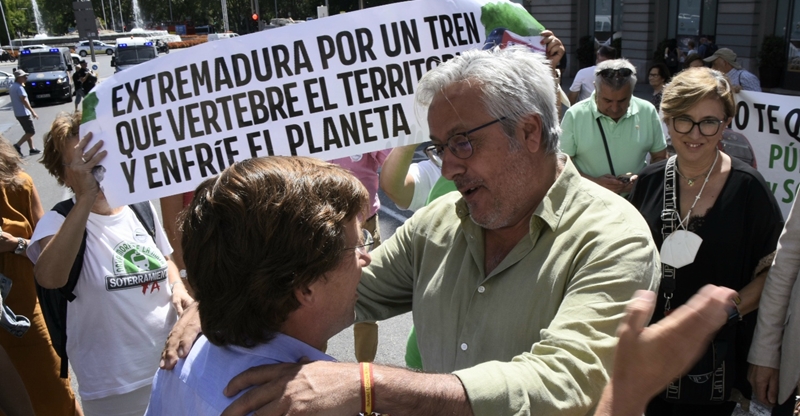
point(609, 135)
point(516, 282)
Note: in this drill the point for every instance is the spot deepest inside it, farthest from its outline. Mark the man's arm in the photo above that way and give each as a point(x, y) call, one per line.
point(28, 106)
point(394, 178)
point(573, 96)
point(658, 156)
point(647, 359)
point(325, 388)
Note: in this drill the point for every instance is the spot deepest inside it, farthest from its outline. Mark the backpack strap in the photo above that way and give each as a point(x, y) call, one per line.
point(63, 208)
point(145, 215)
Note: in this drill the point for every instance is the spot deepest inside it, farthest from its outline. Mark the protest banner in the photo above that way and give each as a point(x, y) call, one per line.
point(328, 88)
point(771, 123)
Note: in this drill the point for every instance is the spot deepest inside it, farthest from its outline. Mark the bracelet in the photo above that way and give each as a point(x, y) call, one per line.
point(367, 392)
point(172, 285)
point(736, 302)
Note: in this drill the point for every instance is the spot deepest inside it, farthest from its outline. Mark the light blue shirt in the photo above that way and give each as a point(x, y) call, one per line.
point(194, 386)
point(16, 92)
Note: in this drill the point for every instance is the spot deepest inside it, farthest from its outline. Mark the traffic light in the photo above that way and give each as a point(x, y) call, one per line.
point(255, 17)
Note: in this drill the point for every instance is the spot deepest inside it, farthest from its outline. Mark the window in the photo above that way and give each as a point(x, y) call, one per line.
point(692, 19)
point(607, 18)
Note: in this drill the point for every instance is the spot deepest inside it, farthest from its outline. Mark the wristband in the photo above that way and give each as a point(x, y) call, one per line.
point(367, 391)
point(735, 314)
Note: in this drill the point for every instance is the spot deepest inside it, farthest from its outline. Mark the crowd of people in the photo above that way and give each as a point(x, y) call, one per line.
point(553, 265)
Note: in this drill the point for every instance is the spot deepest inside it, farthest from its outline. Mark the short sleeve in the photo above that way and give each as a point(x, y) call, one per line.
point(425, 175)
point(567, 142)
point(47, 226)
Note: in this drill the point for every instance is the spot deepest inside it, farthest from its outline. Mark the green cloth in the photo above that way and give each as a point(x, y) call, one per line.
point(630, 139)
point(442, 186)
point(539, 331)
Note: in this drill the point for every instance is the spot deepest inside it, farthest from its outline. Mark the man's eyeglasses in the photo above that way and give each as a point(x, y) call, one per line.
point(366, 245)
point(459, 144)
point(609, 73)
point(707, 127)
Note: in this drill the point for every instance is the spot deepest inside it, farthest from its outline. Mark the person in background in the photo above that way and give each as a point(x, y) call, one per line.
point(691, 51)
point(609, 136)
point(724, 60)
point(285, 288)
point(719, 226)
point(32, 355)
point(23, 111)
point(583, 84)
point(128, 292)
point(84, 80)
point(657, 76)
point(775, 352)
point(694, 61)
point(365, 167)
point(408, 184)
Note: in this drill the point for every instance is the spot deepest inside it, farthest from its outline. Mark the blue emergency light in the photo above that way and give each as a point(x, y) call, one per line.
point(148, 44)
point(122, 45)
point(26, 52)
point(54, 50)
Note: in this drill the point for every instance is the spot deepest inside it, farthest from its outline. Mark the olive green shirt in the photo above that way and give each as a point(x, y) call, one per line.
point(536, 335)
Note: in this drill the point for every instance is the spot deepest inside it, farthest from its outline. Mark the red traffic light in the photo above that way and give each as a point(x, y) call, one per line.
point(255, 16)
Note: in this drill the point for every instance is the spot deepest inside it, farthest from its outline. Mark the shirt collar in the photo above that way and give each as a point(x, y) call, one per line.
point(555, 200)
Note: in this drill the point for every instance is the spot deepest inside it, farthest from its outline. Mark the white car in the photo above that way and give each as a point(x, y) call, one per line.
point(82, 48)
point(33, 47)
point(6, 80)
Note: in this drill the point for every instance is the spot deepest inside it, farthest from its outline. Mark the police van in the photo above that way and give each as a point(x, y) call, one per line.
point(132, 51)
point(49, 71)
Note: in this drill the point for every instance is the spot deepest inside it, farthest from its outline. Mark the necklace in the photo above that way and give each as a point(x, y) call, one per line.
point(691, 181)
point(685, 222)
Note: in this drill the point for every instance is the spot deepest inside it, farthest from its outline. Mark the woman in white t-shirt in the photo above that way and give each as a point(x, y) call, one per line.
point(128, 291)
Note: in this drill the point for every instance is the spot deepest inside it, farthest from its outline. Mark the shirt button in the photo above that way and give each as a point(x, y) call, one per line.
point(481, 289)
point(464, 346)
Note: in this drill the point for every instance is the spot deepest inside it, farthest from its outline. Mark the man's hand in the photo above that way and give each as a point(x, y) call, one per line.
point(628, 187)
point(34, 115)
point(765, 383)
point(648, 358)
point(554, 48)
point(319, 388)
point(181, 338)
point(610, 182)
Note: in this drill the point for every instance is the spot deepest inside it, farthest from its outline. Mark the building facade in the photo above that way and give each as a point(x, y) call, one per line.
point(645, 25)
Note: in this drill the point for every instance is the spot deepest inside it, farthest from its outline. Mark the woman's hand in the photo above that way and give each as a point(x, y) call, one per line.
point(8, 242)
point(555, 49)
point(78, 166)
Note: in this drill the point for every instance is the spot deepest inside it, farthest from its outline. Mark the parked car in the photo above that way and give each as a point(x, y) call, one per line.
point(82, 48)
point(6, 80)
point(76, 59)
point(33, 47)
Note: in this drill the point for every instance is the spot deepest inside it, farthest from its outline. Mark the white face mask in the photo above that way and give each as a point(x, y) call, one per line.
point(680, 248)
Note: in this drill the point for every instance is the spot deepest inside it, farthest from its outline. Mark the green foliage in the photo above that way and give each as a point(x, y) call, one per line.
point(772, 53)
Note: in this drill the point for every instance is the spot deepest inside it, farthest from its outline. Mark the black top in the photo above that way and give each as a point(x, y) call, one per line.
point(76, 77)
point(742, 227)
